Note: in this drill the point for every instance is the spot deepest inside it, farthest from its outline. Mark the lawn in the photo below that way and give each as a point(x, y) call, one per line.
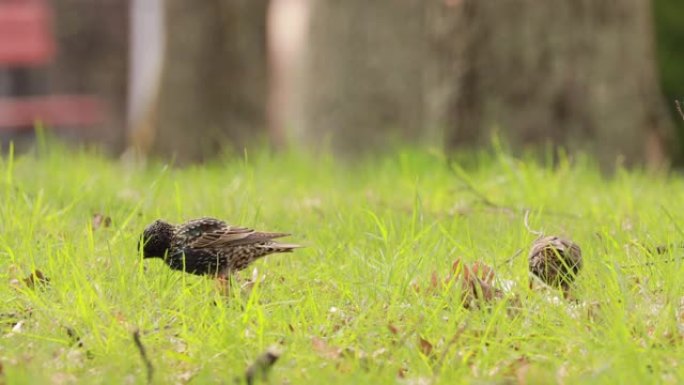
point(366, 301)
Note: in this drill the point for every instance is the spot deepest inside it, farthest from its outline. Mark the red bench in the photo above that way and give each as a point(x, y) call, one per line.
point(27, 40)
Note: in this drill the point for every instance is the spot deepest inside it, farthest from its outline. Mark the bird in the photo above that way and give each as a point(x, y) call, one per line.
point(208, 246)
point(555, 261)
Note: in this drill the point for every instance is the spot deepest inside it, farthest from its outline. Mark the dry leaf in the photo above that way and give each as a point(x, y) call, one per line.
point(100, 220)
point(520, 367)
point(18, 326)
point(37, 278)
point(324, 350)
point(425, 346)
point(393, 329)
point(434, 282)
point(483, 272)
point(476, 282)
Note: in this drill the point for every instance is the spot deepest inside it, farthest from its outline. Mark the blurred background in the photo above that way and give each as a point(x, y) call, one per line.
point(187, 80)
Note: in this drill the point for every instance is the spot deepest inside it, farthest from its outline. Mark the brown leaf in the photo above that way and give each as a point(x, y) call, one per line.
point(430, 287)
point(476, 282)
point(456, 267)
point(483, 271)
point(324, 350)
point(415, 285)
point(484, 291)
point(37, 278)
point(100, 220)
point(120, 317)
point(425, 346)
point(434, 282)
point(393, 329)
point(519, 369)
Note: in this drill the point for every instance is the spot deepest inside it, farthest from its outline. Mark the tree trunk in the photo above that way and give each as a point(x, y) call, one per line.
point(364, 83)
point(213, 86)
point(669, 31)
point(92, 58)
point(577, 74)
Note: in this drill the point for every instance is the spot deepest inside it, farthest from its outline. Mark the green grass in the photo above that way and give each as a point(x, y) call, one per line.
point(343, 309)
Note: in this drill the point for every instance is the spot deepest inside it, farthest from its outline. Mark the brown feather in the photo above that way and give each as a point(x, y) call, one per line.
point(232, 236)
point(223, 237)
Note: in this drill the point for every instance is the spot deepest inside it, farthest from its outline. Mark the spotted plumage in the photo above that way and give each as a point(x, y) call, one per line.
point(208, 246)
point(555, 261)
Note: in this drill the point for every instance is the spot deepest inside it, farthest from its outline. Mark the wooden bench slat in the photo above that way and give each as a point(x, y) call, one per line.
point(77, 111)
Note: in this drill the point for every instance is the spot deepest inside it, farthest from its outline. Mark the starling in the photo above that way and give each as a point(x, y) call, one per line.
point(208, 246)
point(555, 261)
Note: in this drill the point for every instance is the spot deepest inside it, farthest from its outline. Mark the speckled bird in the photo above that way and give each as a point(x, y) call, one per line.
point(208, 246)
point(555, 261)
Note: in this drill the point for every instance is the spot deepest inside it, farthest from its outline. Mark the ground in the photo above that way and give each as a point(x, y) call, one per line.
point(368, 300)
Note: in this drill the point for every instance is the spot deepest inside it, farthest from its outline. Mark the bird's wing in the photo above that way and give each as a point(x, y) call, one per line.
point(193, 230)
point(233, 236)
point(220, 237)
point(213, 233)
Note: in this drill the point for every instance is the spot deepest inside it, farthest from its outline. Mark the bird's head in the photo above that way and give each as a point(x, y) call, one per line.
point(156, 239)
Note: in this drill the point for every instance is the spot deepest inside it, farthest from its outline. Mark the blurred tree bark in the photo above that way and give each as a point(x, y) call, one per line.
point(365, 74)
point(92, 58)
point(214, 83)
point(580, 74)
point(669, 31)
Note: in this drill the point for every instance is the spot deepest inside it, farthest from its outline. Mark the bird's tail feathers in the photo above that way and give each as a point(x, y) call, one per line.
point(272, 235)
point(281, 247)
